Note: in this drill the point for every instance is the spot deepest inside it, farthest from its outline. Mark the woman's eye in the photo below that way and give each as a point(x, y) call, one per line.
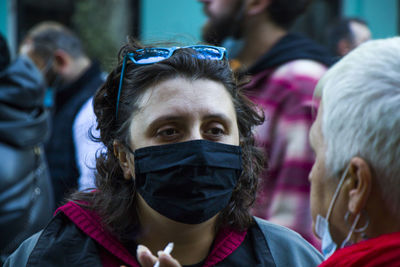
point(167, 132)
point(215, 131)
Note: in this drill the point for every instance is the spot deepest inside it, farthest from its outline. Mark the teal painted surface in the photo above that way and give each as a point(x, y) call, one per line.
point(381, 15)
point(172, 20)
point(3, 17)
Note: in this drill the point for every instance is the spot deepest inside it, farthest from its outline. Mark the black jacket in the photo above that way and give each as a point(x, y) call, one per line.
point(74, 238)
point(25, 188)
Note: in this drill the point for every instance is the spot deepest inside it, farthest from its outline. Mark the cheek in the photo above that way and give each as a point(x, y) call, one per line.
point(219, 9)
point(315, 197)
point(316, 192)
point(313, 200)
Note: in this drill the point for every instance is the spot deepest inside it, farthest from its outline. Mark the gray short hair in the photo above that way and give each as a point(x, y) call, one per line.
point(361, 113)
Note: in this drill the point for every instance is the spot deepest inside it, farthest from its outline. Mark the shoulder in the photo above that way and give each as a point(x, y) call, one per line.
point(287, 247)
point(294, 82)
point(21, 255)
point(61, 243)
point(291, 81)
point(300, 68)
point(85, 116)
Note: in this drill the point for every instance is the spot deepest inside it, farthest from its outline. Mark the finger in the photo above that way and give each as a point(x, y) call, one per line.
point(144, 256)
point(167, 261)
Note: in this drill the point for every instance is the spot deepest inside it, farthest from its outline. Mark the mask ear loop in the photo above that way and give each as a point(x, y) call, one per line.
point(362, 228)
point(352, 229)
point(48, 65)
point(328, 214)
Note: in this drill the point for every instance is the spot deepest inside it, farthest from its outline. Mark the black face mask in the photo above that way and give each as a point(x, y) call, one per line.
point(188, 182)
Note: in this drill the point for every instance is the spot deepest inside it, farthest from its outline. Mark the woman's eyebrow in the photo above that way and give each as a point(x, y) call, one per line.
point(163, 119)
point(219, 116)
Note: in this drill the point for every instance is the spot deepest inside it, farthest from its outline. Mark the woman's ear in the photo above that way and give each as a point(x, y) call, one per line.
point(360, 184)
point(126, 159)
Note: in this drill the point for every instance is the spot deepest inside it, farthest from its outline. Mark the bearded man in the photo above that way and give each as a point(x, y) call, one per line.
point(285, 67)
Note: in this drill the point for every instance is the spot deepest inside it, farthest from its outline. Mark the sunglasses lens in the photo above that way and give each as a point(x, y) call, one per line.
point(154, 55)
point(148, 56)
point(209, 52)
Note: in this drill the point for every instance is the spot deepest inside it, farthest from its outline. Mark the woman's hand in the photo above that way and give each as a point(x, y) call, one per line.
point(147, 259)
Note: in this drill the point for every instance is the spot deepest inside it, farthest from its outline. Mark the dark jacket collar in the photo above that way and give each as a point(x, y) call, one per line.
point(291, 47)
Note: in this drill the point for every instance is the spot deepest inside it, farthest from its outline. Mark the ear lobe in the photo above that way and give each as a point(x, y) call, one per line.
point(360, 184)
point(255, 7)
point(125, 159)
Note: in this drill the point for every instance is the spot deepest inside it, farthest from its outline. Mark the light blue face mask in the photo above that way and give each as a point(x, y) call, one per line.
point(49, 97)
point(328, 246)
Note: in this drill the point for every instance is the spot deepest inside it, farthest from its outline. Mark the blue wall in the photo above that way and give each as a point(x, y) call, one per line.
point(3, 17)
point(171, 20)
point(381, 15)
point(181, 20)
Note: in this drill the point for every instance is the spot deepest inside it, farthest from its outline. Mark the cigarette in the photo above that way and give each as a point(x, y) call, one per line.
point(167, 250)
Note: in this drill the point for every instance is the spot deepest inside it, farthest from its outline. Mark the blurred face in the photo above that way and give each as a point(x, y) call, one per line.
point(45, 65)
point(360, 32)
point(27, 50)
point(223, 19)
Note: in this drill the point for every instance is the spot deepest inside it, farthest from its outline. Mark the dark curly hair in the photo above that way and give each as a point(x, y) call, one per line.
point(285, 12)
point(115, 198)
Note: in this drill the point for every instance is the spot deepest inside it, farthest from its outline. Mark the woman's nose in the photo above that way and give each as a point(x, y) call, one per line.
point(194, 134)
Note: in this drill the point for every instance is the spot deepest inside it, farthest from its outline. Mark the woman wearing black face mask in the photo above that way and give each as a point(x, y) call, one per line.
point(180, 166)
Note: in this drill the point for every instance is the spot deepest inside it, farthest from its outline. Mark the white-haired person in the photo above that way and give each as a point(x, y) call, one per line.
point(355, 181)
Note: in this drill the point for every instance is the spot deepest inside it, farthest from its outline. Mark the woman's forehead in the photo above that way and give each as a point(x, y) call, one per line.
point(179, 96)
point(178, 92)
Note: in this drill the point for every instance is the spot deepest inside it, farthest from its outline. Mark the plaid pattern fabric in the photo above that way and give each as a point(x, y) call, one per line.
point(286, 96)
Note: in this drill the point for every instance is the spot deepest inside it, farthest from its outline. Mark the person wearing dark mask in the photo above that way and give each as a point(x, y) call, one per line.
point(284, 68)
point(180, 167)
point(72, 79)
point(26, 196)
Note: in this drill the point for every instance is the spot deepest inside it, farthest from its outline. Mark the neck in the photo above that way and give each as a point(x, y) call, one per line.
point(259, 37)
point(192, 243)
point(376, 210)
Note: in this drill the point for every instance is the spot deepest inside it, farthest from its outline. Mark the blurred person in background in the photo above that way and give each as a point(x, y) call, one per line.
point(346, 34)
point(26, 196)
point(355, 181)
point(180, 166)
point(284, 68)
point(73, 78)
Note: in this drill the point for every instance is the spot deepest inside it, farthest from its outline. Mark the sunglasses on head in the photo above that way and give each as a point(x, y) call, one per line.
point(153, 55)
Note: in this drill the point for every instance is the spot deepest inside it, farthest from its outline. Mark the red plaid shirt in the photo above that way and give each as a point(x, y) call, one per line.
point(286, 96)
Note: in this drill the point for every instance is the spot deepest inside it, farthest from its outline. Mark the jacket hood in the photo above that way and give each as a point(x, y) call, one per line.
point(291, 47)
point(23, 120)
